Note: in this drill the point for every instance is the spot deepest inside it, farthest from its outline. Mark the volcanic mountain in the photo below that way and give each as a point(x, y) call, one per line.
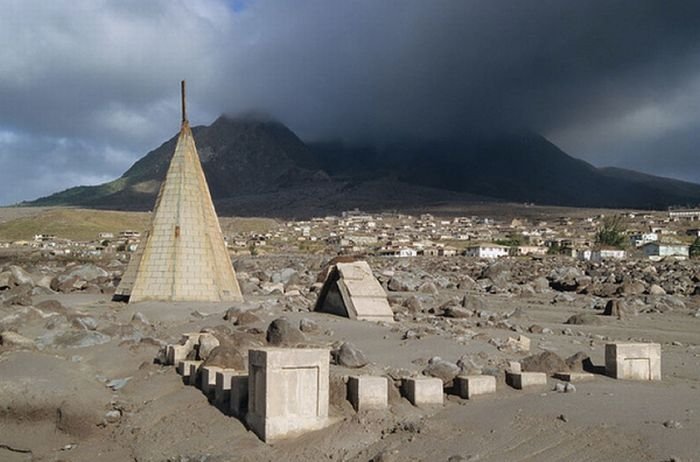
point(256, 166)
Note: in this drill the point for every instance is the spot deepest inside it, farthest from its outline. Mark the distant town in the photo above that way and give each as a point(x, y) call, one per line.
point(654, 235)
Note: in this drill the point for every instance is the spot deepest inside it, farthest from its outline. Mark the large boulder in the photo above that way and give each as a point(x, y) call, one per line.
point(207, 343)
point(13, 340)
point(88, 272)
point(473, 302)
point(51, 306)
point(348, 355)
point(283, 276)
point(281, 332)
point(567, 279)
point(458, 312)
point(414, 304)
point(7, 281)
point(498, 272)
point(227, 357)
point(584, 319)
point(668, 303)
point(540, 285)
point(428, 287)
point(631, 288)
point(401, 283)
point(547, 362)
point(442, 369)
point(18, 295)
point(21, 276)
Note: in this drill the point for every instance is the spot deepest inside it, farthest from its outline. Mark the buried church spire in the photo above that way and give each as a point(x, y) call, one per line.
point(183, 256)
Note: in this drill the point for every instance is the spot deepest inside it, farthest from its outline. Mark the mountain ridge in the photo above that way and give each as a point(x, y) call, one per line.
point(264, 162)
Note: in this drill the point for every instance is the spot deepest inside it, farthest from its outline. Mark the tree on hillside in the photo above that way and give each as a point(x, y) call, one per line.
point(612, 232)
point(695, 248)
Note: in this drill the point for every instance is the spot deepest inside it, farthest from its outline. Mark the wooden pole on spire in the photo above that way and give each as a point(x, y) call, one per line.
point(184, 108)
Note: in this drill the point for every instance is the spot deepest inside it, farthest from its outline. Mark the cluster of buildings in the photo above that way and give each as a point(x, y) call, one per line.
point(104, 244)
point(653, 235)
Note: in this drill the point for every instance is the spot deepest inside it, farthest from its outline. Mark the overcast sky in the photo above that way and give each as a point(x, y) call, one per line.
point(89, 86)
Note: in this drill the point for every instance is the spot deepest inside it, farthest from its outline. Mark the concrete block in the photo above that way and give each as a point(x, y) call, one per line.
point(288, 391)
point(222, 388)
point(574, 376)
point(183, 367)
point(208, 379)
point(421, 391)
point(633, 361)
point(472, 385)
point(193, 376)
point(526, 379)
point(177, 353)
point(238, 395)
point(366, 392)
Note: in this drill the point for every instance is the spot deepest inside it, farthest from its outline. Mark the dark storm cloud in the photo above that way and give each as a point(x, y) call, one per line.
point(604, 79)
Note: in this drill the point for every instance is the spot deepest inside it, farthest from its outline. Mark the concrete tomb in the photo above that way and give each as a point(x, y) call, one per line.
point(352, 291)
point(515, 367)
point(238, 395)
point(288, 391)
point(520, 380)
point(183, 367)
point(176, 353)
point(182, 256)
point(222, 389)
point(366, 392)
point(633, 361)
point(472, 385)
point(422, 391)
point(208, 379)
point(194, 375)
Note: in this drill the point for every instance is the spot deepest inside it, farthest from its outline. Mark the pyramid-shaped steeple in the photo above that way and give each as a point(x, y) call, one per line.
point(183, 256)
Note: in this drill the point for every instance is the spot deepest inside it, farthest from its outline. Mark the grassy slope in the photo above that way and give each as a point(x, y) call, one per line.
point(76, 224)
point(84, 225)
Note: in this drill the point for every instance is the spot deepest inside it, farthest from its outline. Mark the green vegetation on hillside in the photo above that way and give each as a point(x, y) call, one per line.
point(695, 248)
point(75, 224)
point(85, 225)
point(612, 232)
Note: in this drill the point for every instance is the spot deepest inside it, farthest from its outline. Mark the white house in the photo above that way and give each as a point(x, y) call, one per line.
point(129, 234)
point(447, 251)
point(607, 254)
point(531, 250)
point(640, 239)
point(407, 252)
point(657, 251)
point(684, 214)
point(486, 251)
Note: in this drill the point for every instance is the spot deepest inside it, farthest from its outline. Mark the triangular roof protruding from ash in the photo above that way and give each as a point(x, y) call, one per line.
point(183, 256)
point(351, 290)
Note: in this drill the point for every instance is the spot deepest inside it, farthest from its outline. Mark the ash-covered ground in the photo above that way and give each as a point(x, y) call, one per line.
point(80, 380)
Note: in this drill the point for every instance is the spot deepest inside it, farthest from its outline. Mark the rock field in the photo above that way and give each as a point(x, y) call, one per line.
point(80, 378)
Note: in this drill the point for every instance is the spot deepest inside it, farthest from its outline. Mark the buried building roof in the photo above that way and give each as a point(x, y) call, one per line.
point(351, 290)
point(183, 257)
